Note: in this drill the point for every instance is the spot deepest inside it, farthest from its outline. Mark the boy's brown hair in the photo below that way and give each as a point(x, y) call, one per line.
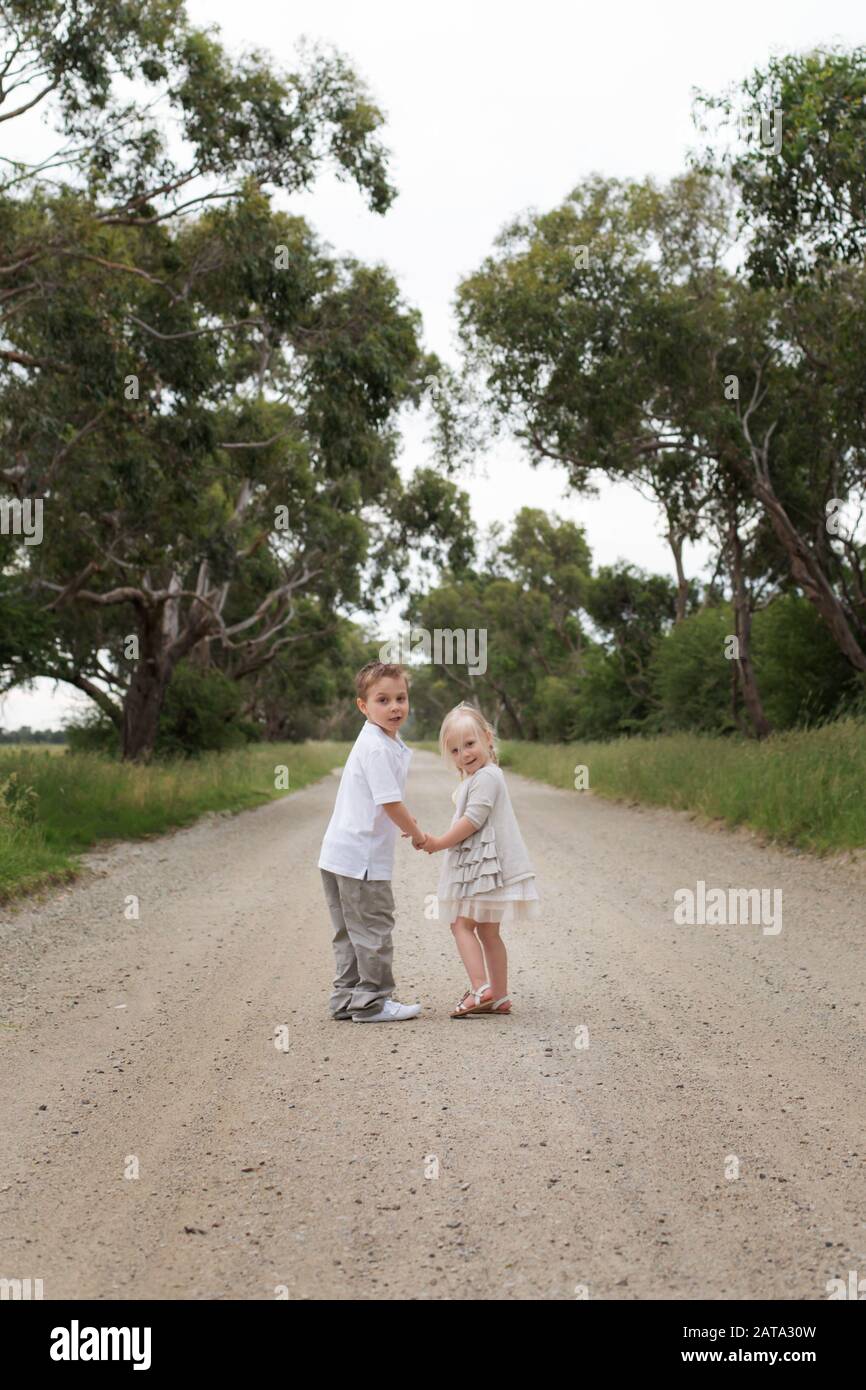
point(377, 671)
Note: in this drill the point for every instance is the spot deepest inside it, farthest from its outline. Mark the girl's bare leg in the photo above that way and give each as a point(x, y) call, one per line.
point(495, 957)
point(469, 947)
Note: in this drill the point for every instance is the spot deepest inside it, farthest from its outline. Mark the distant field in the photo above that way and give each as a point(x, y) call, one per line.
point(32, 748)
point(52, 808)
point(805, 788)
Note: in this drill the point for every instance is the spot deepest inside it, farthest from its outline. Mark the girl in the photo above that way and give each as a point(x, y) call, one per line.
point(486, 877)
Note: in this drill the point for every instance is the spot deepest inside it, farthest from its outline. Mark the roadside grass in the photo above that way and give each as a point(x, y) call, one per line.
point(53, 808)
point(804, 787)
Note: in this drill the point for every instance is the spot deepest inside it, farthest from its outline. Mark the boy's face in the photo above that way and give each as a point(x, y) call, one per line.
point(387, 703)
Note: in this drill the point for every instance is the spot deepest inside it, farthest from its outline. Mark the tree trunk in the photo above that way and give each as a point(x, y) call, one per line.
point(200, 656)
point(735, 693)
point(743, 628)
point(675, 541)
point(163, 642)
point(808, 573)
point(144, 698)
point(515, 717)
point(141, 710)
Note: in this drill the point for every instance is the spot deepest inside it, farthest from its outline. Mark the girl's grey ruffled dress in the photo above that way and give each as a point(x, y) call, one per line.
point(488, 876)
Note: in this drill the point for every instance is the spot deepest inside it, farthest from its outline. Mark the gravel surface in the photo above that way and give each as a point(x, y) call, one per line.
point(480, 1159)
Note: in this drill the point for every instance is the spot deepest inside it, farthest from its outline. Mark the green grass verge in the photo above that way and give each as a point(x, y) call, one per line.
point(803, 788)
point(80, 799)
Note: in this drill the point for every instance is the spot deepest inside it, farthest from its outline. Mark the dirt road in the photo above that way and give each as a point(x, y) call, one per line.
point(434, 1159)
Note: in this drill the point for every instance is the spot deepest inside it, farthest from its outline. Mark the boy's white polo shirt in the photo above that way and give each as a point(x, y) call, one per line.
point(360, 837)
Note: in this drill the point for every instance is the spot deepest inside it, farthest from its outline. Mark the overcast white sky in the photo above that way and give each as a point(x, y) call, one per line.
point(492, 107)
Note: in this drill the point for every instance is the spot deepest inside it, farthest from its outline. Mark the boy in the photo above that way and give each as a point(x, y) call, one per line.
point(357, 856)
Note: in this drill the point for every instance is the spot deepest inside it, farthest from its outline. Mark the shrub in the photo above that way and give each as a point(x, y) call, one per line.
point(18, 802)
point(605, 705)
point(202, 713)
point(93, 733)
point(802, 675)
point(690, 676)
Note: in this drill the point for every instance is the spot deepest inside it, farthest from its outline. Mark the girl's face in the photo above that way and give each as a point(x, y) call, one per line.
point(467, 747)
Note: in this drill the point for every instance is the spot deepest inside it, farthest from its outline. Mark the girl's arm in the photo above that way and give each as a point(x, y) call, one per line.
point(459, 831)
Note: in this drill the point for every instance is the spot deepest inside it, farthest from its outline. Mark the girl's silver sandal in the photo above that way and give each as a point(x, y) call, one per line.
point(477, 1007)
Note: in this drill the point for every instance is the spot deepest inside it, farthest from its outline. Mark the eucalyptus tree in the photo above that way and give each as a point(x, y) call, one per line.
point(601, 333)
point(797, 159)
point(798, 165)
point(614, 337)
point(203, 398)
point(800, 446)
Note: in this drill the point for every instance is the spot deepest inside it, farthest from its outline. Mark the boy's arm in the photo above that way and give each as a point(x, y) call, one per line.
point(383, 785)
point(399, 813)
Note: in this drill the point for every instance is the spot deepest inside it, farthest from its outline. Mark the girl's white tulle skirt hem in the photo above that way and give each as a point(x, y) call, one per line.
point(517, 903)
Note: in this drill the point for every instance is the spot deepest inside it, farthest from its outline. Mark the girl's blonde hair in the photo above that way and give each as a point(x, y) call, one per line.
point(464, 711)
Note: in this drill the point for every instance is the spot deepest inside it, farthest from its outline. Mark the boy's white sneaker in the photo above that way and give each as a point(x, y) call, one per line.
point(391, 1012)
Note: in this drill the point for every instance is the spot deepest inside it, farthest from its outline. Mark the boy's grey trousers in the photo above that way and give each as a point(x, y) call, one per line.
point(362, 915)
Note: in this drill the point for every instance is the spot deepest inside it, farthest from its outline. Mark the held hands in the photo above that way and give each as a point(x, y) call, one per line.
point(417, 837)
point(420, 840)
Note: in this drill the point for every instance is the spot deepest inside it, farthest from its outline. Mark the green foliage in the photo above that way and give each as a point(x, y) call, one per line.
point(546, 680)
point(307, 691)
point(632, 609)
point(604, 335)
point(692, 679)
point(172, 381)
point(526, 601)
point(520, 639)
point(606, 705)
point(803, 787)
point(18, 802)
point(601, 332)
point(801, 178)
point(557, 707)
point(202, 712)
point(26, 633)
point(93, 732)
point(802, 675)
point(548, 554)
point(242, 117)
